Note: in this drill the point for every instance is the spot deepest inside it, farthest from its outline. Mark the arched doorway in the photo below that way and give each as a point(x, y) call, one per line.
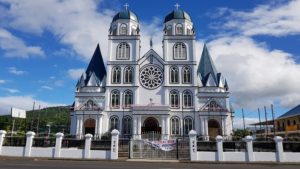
point(89, 126)
point(151, 124)
point(213, 128)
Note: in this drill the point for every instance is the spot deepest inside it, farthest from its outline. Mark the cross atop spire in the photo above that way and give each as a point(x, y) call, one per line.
point(177, 6)
point(126, 6)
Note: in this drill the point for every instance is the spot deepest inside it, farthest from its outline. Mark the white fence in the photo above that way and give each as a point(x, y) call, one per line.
point(58, 151)
point(248, 156)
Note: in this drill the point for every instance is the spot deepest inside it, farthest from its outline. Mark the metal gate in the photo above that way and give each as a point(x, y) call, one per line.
point(160, 149)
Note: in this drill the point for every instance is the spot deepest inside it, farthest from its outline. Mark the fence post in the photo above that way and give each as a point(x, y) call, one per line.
point(193, 145)
point(58, 140)
point(219, 140)
point(249, 144)
point(114, 150)
point(279, 148)
point(87, 146)
point(2, 136)
point(29, 140)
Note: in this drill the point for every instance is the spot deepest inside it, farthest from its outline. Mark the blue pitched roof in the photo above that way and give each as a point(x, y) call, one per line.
point(206, 66)
point(96, 66)
point(293, 112)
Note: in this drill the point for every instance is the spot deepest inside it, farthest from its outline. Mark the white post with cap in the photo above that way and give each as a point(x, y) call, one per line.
point(220, 153)
point(58, 141)
point(114, 150)
point(279, 148)
point(249, 144)
point(2, 136)
point(87, 146)
point(29, 140)
point(193, 145)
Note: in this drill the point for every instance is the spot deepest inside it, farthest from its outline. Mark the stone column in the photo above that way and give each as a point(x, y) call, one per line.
point(134, 127)
point(220, 156)
point(193, 145)
point(249, 144)
point(163, 127)
point(201, 126)
point(100, 126)
point(114, 151)
point(139, 127)
point(58, 141)
point(29, 140)
point(206, 136)
point(167, 127)
point(279, 148)
point(87, 145)
point(81, 127)
point(2, 137)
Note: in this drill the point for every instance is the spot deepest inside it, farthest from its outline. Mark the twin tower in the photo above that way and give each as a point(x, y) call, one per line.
point(137, 93)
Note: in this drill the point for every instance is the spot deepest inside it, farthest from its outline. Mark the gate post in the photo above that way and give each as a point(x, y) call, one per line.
point(2, 136)
point(87, 145)
point(193, 145)
point(249, 143)
point(114, 150)
point(29, 140)
point(219, 140)
point(58, 140)
point(279, 148)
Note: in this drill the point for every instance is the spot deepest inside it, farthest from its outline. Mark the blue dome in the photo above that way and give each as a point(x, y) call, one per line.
point(177, 14)
point(126, 14)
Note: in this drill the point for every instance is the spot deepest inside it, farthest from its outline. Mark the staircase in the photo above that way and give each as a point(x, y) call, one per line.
point(124, 149)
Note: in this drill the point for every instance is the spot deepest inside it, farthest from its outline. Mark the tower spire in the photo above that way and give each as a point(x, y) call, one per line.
point(151, 43)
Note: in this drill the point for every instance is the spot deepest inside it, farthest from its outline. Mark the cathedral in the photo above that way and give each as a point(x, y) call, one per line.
point(138, 93)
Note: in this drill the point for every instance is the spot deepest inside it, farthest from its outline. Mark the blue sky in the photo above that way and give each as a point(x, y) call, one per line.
point(45, 45)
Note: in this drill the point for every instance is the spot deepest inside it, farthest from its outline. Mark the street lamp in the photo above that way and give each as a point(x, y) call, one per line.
point(49, 128)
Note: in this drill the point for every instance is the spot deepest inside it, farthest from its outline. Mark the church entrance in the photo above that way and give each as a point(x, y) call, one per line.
point(89, 126)
point(151, 125)
point(213, 128)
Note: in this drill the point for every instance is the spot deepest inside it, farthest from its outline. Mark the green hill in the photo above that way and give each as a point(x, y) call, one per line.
point(39, 121)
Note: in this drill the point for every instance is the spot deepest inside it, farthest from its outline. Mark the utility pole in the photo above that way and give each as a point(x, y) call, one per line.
point(273, 119)
point(259, 120)
point(243, 119)
point(32, 115)
point(266, 121)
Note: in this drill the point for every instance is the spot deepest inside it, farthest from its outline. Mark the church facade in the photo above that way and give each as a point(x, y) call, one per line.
point(138, 93)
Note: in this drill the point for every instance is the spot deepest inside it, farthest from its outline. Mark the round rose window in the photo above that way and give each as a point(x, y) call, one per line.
point(151, 77)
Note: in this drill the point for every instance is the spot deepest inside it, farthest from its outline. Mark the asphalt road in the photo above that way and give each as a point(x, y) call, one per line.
point(67, 164)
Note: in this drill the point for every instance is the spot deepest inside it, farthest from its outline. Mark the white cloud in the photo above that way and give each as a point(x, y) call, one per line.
point(16, 47)
point(12, 91)
point(257, 76)
point(23, 102)
point(2, 81)
point(15, 71)
point(59, 83)
point(46, 87)
point(276, 19)
point(76, 23)
point(75, 73)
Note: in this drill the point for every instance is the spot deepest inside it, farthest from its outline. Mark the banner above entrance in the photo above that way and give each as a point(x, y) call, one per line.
point(165, 145)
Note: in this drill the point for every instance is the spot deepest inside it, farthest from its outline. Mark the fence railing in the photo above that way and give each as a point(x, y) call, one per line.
point(234, 146)
point(72, 143)
point(264, 146)
point(101, 145)
point(43, 142)
point(206, 146)
point(291, 146)
point(15, 141)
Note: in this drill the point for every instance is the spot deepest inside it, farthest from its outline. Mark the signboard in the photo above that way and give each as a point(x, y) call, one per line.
point(18, 113)
point(165, 145)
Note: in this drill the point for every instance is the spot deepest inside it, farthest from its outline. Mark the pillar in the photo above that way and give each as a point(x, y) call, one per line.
point(202, 133)
point(134, 127)
point(279, 148)
point(139, 127)
point(167, 127)
point(29, 140)
point(220, 154)
point(114, 151)
point(249, 144)
point(87, 145)
point(206, 136)
point(58, 141)
point(163, 127)
point(2, 137)
point(193, 145)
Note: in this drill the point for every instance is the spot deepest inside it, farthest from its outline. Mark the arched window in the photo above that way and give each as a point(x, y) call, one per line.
point(169, 30)
point(116, 75)
point(90, 105)
point(179, 29)
point(128, 74)
point(187, 98)
point(127, 125)
point(114, 123)
point(187, 125)
point(174, 99)
point(179, 51)
point(128, 98)
point(174, 75)
point(175, 126)
point(123, 51)
point(123, 29)
point(115, 99)
point(114, 30)
point(186, 75)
